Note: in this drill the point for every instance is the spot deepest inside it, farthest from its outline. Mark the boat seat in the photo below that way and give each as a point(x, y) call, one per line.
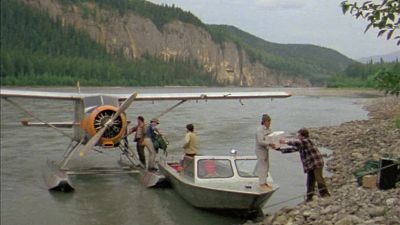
point(207, 168)
point(210, 168)
point(178, 167)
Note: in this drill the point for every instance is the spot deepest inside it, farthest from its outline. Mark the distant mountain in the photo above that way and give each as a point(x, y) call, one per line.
point(315, 63)
point(377, 58)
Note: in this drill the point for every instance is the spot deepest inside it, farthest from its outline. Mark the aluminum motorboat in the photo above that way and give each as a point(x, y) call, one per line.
point(218, 182)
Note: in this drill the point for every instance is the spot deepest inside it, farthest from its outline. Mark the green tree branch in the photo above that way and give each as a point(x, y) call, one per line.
point(383, 15)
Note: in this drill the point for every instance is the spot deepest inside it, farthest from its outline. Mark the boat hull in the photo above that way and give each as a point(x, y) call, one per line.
point(204, 196)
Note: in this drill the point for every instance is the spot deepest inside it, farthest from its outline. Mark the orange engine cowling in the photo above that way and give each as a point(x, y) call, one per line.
point(96, 120)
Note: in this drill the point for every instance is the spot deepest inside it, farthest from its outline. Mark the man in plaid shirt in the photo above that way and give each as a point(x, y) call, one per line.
point(312, 162)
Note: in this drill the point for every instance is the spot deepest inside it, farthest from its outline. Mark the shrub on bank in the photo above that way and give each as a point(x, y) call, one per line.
point(397, 121)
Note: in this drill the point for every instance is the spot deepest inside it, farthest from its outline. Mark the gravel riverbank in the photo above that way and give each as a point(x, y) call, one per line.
point(352, 143)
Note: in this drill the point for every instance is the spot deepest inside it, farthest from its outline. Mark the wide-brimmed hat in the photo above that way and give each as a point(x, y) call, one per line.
point(155, 120)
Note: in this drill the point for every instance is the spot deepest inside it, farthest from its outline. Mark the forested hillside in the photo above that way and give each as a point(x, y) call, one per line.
point(367, 75)
point(159, 15)
point(315, 63)
point(37, 51)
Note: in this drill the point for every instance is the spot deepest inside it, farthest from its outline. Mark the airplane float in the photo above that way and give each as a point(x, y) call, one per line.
point(100, 122)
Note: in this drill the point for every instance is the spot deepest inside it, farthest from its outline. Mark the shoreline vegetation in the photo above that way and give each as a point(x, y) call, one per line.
point(352, 143)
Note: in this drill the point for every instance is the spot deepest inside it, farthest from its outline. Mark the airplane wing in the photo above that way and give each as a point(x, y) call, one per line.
point(5, 93)
point(56, 124)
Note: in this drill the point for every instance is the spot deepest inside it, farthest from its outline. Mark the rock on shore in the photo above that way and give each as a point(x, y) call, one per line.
point(352, 143)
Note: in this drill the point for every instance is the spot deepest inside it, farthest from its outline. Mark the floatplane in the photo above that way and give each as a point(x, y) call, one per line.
point(100, 124)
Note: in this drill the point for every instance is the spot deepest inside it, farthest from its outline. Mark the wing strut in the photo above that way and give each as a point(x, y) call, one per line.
point(68, 155)
point(171, 108)
point(37, 118)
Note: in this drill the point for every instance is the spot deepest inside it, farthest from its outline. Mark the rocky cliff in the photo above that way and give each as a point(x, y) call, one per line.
point(136, 36)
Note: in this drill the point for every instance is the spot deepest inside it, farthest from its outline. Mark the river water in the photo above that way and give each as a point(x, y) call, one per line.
point(120, 199)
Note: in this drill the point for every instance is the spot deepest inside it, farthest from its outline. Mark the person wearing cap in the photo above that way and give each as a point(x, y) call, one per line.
point(190, 145)
point(261, 150)
point(149, 142)
point(139, 131)
point(312, 161)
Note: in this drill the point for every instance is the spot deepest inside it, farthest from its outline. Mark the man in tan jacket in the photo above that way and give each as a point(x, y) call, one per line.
point(190, 145)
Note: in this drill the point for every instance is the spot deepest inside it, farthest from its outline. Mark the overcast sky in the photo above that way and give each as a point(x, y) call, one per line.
point(318, 22)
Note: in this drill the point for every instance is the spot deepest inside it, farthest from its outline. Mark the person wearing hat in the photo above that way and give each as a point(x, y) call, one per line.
point(155, 120)
point(149, 142)
point(261, 150)
point(312, 161)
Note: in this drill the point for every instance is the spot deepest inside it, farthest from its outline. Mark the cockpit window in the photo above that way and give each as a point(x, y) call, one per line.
point(94, 101)
point(188, 167)
point(214, 168)
point(246, 167)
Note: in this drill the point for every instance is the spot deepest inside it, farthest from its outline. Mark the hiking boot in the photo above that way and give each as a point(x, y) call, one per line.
point(309, 199)
point(152, 169)
point(265, 187)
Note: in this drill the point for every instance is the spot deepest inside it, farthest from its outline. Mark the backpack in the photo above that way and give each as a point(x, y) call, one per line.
point(160, 142)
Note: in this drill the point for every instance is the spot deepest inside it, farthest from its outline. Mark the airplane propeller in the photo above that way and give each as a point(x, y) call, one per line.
point(93, 141)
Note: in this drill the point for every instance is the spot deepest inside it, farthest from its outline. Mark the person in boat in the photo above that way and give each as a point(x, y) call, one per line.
point(139, 131)
point(262, 145)
point(312, 161)
point(190, 145)
point(190, 148)
point(149, 140)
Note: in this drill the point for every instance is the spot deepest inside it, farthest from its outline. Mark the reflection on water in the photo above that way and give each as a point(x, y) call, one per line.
point(120, 199)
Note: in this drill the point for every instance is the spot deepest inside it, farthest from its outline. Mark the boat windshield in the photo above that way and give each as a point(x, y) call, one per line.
point(214, 168)
point(246, 167)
